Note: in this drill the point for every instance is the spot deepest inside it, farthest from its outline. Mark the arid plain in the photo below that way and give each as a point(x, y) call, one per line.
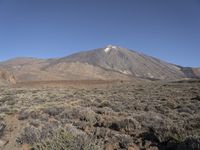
point(90, 115)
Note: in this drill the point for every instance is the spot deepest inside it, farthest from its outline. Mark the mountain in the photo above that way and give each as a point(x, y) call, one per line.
point(127, 62)
point(110, 62)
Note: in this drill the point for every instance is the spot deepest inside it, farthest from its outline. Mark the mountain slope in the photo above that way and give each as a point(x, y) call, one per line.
point(191, 72)
point(43, 70)
point(111, 62)
point(196, 72)
point(6, 78)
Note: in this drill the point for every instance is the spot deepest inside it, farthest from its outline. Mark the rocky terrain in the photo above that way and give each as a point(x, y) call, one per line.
point(118, 115)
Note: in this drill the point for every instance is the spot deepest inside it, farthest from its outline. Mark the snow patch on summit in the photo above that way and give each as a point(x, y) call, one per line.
point(109, 47)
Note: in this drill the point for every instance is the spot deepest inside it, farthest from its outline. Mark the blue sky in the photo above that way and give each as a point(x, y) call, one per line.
point(167, 29)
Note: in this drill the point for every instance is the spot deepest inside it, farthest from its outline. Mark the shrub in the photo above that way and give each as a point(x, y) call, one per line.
point(88, 115)
point(53, 111)
point(7, 98)
point(2, 127)
point(64, 140)
point(104, 104)
point(127, 124)
point(191, 143)
point(51, 137)
point(23, 115)
point(29, 135)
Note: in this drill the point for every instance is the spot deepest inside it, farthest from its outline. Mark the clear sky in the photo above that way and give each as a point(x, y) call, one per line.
point(167, 29)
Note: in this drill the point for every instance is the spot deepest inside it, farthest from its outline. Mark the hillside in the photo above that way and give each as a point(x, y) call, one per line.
point(6, 78)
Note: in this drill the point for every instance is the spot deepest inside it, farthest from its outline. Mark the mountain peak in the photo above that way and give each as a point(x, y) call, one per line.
point(110, 47)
